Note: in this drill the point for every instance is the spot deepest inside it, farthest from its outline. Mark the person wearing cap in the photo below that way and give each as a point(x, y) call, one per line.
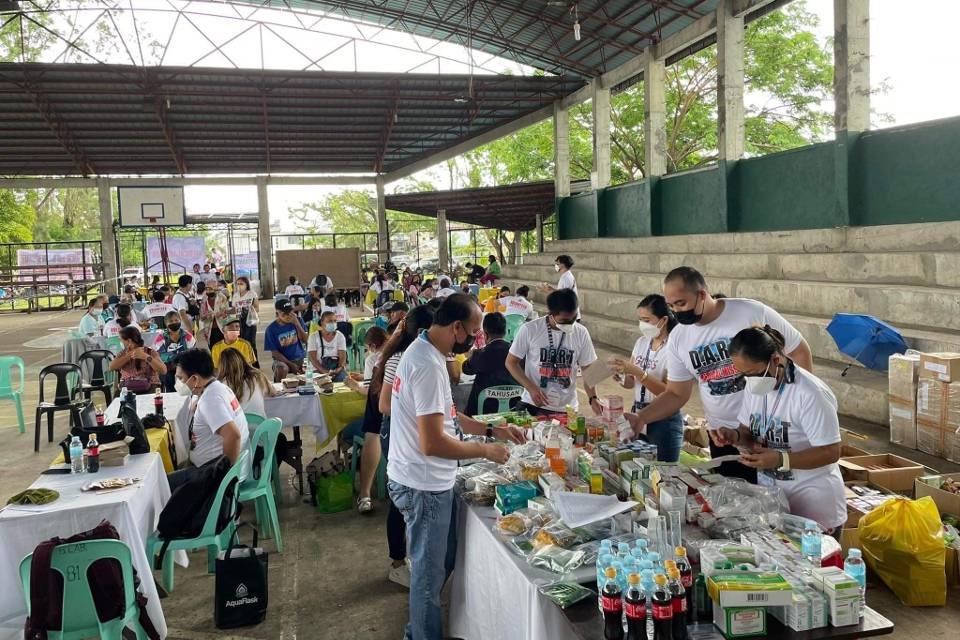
point(232, 340)
point(396, 312)
point(284, 339)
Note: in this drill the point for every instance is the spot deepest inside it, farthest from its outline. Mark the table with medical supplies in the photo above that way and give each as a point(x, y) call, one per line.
point(132, 510)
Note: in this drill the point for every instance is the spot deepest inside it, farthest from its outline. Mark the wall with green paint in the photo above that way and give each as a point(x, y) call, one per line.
point(626, 210)
point(578, 216)
point(690, 202)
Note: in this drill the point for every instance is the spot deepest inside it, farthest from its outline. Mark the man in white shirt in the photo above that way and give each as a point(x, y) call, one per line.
point(445, 288)
point(518, 305)
point(294, 288)
point(699, 353)
point(208, 276)
point(158, 309)
point(182, 299)
point(552, 350)
point(424, 450)
point(218, 425)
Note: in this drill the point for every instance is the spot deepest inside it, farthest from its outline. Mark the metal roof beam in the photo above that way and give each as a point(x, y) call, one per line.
point(59, 128)
point(86, 183)
point(387, 131)
point(169, 136)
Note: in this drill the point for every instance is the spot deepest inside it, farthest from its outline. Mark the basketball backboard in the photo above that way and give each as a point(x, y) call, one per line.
point(151, 206)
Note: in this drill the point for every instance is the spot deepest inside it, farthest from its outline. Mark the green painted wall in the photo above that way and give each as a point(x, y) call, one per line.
point(691, 202)
point(626, 210)
point(906, 174)
point(578, 216)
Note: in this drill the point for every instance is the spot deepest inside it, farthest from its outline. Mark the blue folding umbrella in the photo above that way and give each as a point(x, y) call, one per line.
point(867, 340)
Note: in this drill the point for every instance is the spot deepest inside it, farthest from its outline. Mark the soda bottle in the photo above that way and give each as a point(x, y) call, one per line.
point(679, 597)
point(662, 604)
point(612, 606)
point(158, 403)
point(604, 560)
point(76, 455)
point(686, 575)
point(93, 454)
point(635, 608)
point(703, 606)
point(854, 567)
point(810, 543)
point(101, 419)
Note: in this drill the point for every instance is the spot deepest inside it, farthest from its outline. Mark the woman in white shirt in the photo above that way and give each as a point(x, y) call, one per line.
point(337, 308)
point(248, 383)
point(646, 373)
point(327, 349)
point(789, 429)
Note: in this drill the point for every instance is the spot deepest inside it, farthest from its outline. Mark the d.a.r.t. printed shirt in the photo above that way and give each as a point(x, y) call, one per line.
point(703, 353)
point(551, 360)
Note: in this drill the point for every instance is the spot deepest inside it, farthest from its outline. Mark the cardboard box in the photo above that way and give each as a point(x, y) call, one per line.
point(740, 622)
point(862, 499)
point(944, 367)
point(849, 441)
point(885, 470)
point(739, 589)
point(902, 375)
point(947, 502)
point(903, 423)
point(938, 418)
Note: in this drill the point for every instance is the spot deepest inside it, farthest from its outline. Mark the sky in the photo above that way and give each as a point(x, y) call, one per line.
point(913, 60)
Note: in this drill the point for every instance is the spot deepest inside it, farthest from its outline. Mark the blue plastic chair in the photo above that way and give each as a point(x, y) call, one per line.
point(260, 490)
point(514, 322)
point(7, 388)
point(209, 538)
point(381, 480)
point(80, 620)
point(503, 394)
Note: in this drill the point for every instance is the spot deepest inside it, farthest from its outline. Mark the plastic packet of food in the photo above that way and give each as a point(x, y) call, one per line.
point(512, 524)
point(565, 594)
point(558, 534)
point(521, 545)
point(556, 559)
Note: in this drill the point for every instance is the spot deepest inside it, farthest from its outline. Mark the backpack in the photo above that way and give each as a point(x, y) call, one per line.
point(133, 427)
point(193, 309)
point(106, 586)
point(186, 511)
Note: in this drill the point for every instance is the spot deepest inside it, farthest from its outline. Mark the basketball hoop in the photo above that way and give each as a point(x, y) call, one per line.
point(152, 220)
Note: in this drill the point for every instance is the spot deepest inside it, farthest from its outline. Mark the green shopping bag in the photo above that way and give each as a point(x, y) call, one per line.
point(335, 493)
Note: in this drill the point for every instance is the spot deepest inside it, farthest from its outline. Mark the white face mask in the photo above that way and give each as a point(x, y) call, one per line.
point(182, 388)
point(556, 267)
point(761, 386)
point(648, 330)
point(566, 328)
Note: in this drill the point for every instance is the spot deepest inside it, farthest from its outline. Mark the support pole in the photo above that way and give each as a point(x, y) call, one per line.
point(851, 53)
point(517, 246)
point(383, 227)
point(264, 242)
point(655, 114)
point(108, 241)
point(601, 136)
point(539, 233)
point(731, 131)
point(443, 251)
point(561, 150)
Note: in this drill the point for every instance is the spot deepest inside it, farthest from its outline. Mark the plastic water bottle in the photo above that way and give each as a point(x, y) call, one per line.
point(810, 543)
point(654, 558)
point(623, 551)
point(642, 544)
point(76, 455)
point(854, 567)
point(638, 556)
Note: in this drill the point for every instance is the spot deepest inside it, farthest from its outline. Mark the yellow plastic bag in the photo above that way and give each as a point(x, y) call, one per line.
point(902, 542)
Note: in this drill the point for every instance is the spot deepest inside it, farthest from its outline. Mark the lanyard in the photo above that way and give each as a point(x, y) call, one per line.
point(776, 404)
point(646, 360)
point(553, 353)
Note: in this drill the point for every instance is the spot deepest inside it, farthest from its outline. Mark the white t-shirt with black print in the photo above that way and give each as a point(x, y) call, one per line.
point(653, 362)
point(800, 415)
point(702, 353)
point(552, 358)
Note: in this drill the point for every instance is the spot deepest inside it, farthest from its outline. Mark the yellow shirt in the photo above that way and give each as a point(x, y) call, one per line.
point(240, 345)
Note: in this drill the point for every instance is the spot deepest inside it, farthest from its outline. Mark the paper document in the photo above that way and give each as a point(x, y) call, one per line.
point(578, 509)
point(597, 373)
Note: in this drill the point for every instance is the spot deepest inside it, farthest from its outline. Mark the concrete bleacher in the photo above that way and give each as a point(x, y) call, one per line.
point(907, 275)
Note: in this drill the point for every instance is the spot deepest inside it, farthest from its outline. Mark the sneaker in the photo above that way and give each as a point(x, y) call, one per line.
point(364, 505)
point(400, 575)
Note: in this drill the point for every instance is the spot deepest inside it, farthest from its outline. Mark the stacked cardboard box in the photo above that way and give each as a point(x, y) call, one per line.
point(903, 375)
point(938, 417)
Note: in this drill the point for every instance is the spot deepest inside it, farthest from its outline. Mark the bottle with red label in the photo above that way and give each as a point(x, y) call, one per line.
point(158, 403)
point(678, 596)
point(661, 601)
point(93, 454)
point(635, 608)
point(612, 605)
point(100, 418)
point(686, 577)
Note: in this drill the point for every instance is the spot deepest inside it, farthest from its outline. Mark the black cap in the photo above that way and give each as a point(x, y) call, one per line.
point(399, 306)
point(283, 305)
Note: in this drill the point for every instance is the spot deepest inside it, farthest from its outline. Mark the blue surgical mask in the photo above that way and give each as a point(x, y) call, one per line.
point(330, 327)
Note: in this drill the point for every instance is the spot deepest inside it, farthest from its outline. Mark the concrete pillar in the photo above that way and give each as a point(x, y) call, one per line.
point(731, 132)
point(601, 136)
point(383, 227)
point(264, 242)
point(561, 150)
point(517, 246)
point(539, 233)
point(443, 250)
point(108, 241)
point(654, 114)
point(851, 54)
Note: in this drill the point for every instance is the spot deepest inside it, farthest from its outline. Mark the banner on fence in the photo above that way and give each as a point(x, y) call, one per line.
point(182, 253)
point(50, 265)
point(247, 264)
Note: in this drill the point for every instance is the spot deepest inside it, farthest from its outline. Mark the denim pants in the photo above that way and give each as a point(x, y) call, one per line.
point(667, 434)
point(431, 526)
point(396, 528)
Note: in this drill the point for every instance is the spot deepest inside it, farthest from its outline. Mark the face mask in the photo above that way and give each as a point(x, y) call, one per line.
point(466, 345)
point(330, 327)
point(761, 385)
point(182, 388)
point(96, 312)
point(567, 329)
point(174, 327)
point(556, 267)
point(690, 316)
point(231, 335)
point(648, 330)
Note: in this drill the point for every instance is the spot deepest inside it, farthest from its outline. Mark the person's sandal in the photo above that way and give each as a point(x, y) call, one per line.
point(364, 505)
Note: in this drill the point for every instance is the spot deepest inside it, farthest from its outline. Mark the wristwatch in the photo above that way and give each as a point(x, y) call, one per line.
point(490, 430)
point(591, 399)
point(784, 461)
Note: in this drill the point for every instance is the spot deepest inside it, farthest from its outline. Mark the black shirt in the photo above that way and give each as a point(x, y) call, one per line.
point(477, 271)
point(489, 365)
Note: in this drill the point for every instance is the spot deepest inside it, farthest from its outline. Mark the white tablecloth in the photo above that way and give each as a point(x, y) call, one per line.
point(133, 511)
point(295, 409)
point(176, 409)
point(493, 594)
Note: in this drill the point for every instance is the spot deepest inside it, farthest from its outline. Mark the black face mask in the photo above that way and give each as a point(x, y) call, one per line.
point(466, 345)
point(173, 327)
point(690, 316)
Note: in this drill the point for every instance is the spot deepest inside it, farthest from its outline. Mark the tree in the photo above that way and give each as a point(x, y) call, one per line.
point(16, 218)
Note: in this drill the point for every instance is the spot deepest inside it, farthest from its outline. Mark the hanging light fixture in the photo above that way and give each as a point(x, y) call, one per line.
point(576, 24)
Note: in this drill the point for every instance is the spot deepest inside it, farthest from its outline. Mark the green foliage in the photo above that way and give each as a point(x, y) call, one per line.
point(16, 218)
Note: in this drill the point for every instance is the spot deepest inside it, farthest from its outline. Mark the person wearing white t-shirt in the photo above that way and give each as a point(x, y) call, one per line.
point(446, 289)
point(552, 348)
point(646, 373)
point(698, 353)
point(424, 449)
point(789, 430)
point(217, 425)
point(562, 265)
point(323, 282)
point(124, 317)
point(158, 308)
point(519, 305)
point(294, 288)
point(327, 348)
point(183, 298)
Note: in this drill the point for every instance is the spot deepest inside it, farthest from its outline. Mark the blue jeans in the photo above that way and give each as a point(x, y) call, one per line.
point(667, 434)
point(431, 526)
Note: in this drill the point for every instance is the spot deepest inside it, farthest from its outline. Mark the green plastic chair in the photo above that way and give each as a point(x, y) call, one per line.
point(514, 322)
point(113, 345)
point(209, 538)
point(260, 490)
point(7, 390)
point(380, 481)
point(503, 394)
point(255, 420)
point(359, 351)
point(80, 619)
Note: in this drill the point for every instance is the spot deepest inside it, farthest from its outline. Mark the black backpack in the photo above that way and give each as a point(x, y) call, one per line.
point(188, 506)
